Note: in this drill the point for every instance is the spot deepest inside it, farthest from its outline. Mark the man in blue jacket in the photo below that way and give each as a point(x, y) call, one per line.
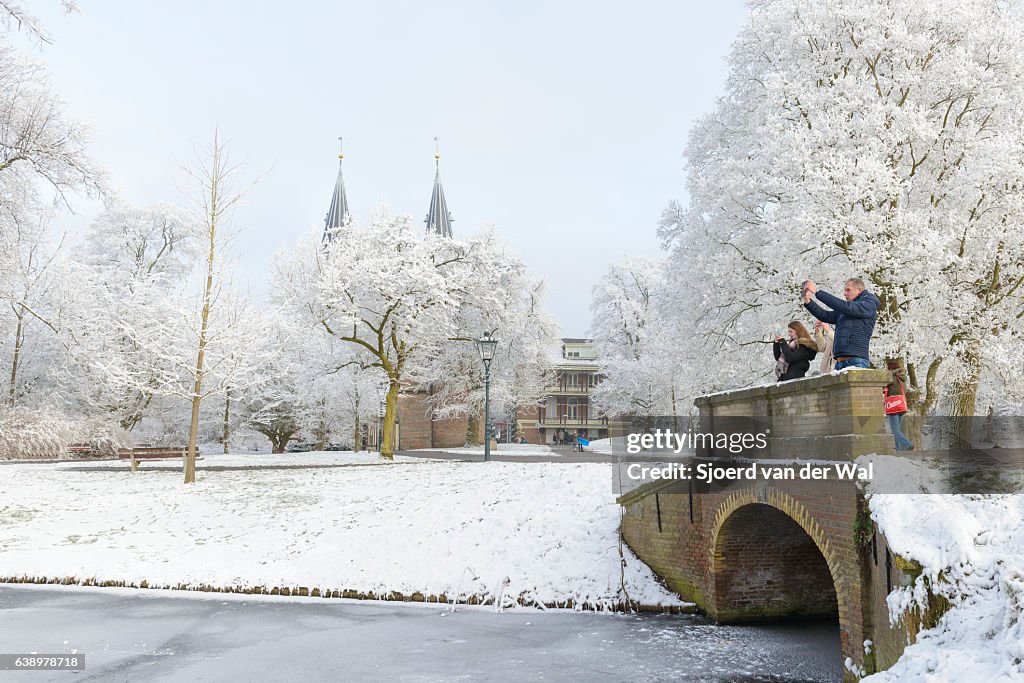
point(854, 320)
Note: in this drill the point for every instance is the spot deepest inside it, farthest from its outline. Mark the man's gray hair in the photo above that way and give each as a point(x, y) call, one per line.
point(856, 282)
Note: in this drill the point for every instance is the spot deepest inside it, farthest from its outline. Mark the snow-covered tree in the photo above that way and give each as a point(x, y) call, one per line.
point(215, 196)
point(309, 383)
point(350, 395)
point(42, 161)
point(168, 343)
point(881, 139)
point(640, 364)
point(513, 312)
point(274, 402)
point(42, 153)
point(29, 314)
point(400, 297)
point(132, 274)
point(14, 15)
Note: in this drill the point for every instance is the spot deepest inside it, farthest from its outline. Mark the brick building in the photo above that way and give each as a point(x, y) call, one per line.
point(568, 408)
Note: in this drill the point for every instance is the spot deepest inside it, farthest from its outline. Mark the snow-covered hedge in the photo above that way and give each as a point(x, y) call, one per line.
point(40, 434)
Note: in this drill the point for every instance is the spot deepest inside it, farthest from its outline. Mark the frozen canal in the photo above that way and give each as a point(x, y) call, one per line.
point(153, 636)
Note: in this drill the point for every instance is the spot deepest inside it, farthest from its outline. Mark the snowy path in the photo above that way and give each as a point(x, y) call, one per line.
point(538, 532)
point(147, 635)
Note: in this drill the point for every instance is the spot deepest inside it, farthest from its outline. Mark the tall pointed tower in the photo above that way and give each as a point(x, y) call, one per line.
point(338, 212)
point(439, 219)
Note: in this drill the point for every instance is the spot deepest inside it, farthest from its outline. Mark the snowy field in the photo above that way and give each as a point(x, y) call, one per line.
point(505, 532)
point(601, 447)
point(207, 460)
point(972, 552)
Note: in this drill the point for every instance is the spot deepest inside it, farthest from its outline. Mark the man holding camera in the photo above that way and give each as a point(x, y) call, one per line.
point(853, 319)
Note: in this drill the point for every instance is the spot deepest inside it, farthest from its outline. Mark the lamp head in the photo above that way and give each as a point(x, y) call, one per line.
point(487, 345)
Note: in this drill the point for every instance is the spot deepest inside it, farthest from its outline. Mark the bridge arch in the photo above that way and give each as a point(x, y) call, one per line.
point(770, 558)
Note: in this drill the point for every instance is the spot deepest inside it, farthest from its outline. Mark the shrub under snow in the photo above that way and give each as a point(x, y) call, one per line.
point(39, 434)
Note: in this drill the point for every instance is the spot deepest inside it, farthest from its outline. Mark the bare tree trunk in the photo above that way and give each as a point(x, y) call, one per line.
point(387, 447)
point(197, 391)
point(227, 419)
point(279, 437)
point(920, 400)
point(278, 441)
point(212, 179)
point(963, 402)
point(19, 340)
point(357, 440)
point(675, 412)
point(472, 430)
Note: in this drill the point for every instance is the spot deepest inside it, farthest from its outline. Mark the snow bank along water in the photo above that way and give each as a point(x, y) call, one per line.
point(507, 533)
point(970, 550)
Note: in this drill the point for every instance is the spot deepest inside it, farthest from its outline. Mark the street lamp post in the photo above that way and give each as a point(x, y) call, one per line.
point(486, 345)
point(380, 425)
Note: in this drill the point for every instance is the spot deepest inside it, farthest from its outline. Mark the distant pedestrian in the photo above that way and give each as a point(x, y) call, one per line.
point(794, 352)
point(854, 320)
point(895, 398)
point(823, 336)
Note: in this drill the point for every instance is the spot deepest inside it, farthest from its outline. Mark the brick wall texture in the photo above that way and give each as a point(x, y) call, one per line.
point(417, 429)
point(766, 550)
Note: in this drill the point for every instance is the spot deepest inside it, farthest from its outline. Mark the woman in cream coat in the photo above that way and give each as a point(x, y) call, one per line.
point(823, 336)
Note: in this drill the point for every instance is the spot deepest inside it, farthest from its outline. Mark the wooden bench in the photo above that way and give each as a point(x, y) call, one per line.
point(152, 453)
point(80, 449)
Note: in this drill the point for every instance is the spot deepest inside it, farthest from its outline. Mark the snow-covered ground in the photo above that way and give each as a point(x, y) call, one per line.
point(538, 532)
point(206, 460)
point(972, 551)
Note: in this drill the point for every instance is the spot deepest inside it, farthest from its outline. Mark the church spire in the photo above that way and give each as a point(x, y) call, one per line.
point(337, 213)
point(439, 219)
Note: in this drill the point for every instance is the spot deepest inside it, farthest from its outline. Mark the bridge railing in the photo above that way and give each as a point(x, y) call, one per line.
point(832, 417)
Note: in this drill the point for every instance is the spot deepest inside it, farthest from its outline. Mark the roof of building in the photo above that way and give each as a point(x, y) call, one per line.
point(557, 358)
point(439, 219)
point(337, 212)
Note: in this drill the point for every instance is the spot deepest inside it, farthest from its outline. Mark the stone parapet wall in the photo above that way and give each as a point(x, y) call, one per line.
point(835, 417)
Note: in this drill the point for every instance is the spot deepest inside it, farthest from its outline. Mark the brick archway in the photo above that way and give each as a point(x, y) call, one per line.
point(777, 513)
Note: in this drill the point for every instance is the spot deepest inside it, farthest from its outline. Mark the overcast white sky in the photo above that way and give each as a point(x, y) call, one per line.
point(561, 123)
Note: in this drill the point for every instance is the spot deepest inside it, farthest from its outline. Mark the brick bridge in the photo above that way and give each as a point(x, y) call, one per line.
point(767, 550)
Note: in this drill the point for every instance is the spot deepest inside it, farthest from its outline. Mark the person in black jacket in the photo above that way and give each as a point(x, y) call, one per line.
point(794, 353)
